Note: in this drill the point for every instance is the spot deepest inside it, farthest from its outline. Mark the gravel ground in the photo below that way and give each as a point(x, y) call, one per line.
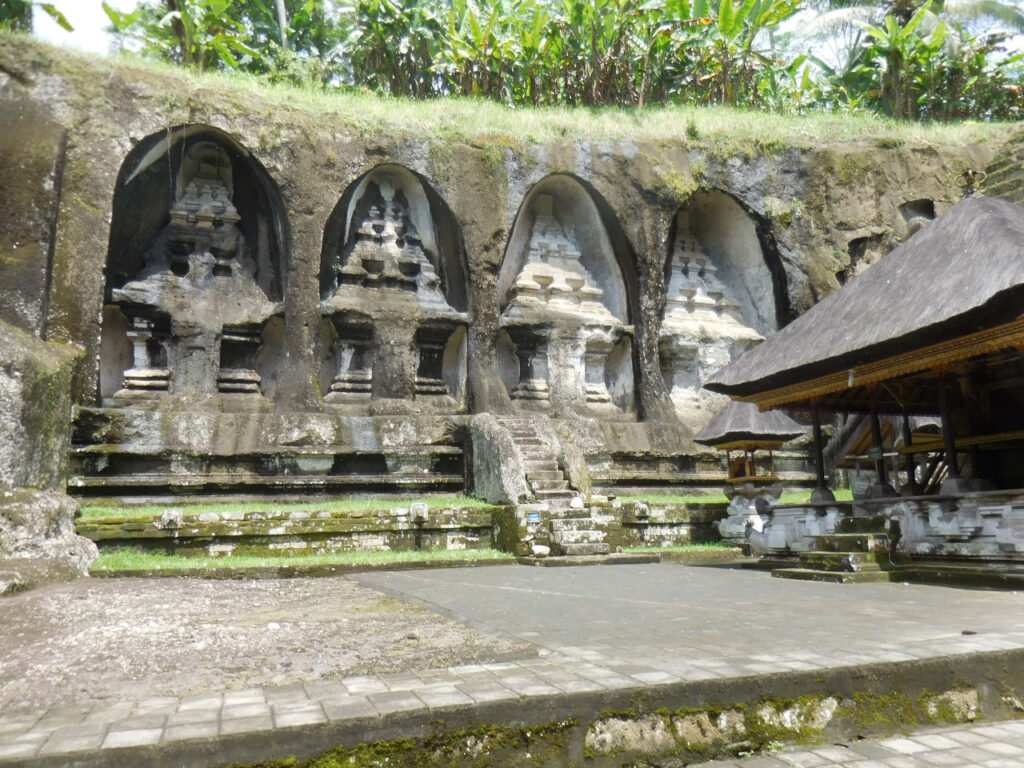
point(103, 639)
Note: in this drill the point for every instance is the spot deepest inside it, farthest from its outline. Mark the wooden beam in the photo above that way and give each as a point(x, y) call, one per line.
point(941, 355)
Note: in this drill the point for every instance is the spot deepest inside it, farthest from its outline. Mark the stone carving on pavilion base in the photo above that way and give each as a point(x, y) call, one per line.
point(557, 322)
point(395, 336)
point(196, 312)
point(703, 329)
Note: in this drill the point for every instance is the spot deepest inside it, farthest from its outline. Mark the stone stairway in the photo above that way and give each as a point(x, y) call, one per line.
point(578, 532)
point(544, 477)
point(843, 558)
point(1005, 174)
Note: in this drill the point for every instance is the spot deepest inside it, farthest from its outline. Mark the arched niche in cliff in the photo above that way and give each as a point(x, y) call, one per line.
point(721, 299)
point(195, 272)
point(566, 293)
point(394, 297)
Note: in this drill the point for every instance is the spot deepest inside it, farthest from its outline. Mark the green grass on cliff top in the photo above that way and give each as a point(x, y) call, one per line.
point(481, 121)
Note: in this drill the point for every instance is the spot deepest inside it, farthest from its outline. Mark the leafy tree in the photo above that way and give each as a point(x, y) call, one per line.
point(17, 14)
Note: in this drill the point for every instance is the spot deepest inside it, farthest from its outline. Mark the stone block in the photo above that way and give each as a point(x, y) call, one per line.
point(35, 410)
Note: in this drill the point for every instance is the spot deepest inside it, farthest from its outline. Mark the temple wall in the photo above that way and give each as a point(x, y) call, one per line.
point(794, 216)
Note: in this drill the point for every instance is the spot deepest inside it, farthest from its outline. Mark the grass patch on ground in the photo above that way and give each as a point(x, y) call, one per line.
point(479, 120)
point(675, 498)
point(136, 559)
point(802, 497)
point(95, 511)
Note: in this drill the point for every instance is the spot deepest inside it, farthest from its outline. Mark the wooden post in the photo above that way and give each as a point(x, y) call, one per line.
point(821, 492)
point(948, 438)
point(908, 440)
point(876, 439)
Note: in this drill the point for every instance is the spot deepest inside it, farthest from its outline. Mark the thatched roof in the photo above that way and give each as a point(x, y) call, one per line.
point(962, 273)
point(739, 421)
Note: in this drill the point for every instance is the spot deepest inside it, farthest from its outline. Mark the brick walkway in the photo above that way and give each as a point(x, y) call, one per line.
point(973, 746)
point(600, 630)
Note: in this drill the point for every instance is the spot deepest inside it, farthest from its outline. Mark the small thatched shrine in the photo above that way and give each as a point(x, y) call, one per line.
point(740, 426)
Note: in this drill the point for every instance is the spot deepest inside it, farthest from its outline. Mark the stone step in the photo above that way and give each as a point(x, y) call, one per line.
point(541, 465)
point(560, 485)
point(586, 549)
point(525, 441)
point(852, 542)
point(559, 524)
point(552, 494)
point(615, 558)
point(544, 476)
point(538, 453)
point(567, 538)
point(837, 577)
point(845, 562)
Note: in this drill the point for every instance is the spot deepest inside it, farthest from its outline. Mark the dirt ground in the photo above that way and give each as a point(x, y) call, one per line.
point(102, 639)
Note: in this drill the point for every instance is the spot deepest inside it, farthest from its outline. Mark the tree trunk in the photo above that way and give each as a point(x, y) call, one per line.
point(282, 22)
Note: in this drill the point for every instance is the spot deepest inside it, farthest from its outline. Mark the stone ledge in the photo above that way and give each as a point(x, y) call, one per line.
point(616, 558)
point(295, 571)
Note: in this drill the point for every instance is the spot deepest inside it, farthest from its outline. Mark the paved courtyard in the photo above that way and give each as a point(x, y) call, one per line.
point(977, 746)
point(595, 630)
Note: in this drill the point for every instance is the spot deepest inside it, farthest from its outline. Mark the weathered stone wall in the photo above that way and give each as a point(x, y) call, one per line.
point(812, 207)
point(37, 539)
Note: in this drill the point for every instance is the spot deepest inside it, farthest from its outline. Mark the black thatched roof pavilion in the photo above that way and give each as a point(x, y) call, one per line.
point(741, 426)
point(740, 423)
point(936, 326)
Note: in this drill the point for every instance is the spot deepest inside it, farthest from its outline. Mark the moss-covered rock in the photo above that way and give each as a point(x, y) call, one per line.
point(35, 409)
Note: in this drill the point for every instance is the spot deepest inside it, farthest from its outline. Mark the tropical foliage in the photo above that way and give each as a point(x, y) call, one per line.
point(906, 59)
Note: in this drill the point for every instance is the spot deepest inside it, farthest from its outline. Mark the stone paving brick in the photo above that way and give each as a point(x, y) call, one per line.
point(490, 691)
point(206, 701)
point(364, 684)
point(141, 722)
point(1002, 748)
point(245, 724)
point(802, 759)
point(286, 716)
point(280, 694)
point(344, 708)
point(870, 749)
point(970, 755)
point(47, 724)
point(322, 689)
point(72, 742)
point(940, 758)
point(23, 745)
point(186, 731)
point(163, 705)
point(935, 741)
point(395, 701)
point(247, 696)
point(236, 711)
point(836, 754)
point(443, 696)
point(970, 738)
point(190, 716)
point(110, 714)
point(903, 746)
point(139, 737)
point(528, 685)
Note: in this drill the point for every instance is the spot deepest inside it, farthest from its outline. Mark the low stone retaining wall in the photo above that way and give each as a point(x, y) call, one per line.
point(290, 532)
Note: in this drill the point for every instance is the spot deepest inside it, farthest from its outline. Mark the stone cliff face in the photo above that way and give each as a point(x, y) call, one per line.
point(407, 273)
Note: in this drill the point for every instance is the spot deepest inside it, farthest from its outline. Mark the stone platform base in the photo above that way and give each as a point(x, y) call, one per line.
point(619, 558)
